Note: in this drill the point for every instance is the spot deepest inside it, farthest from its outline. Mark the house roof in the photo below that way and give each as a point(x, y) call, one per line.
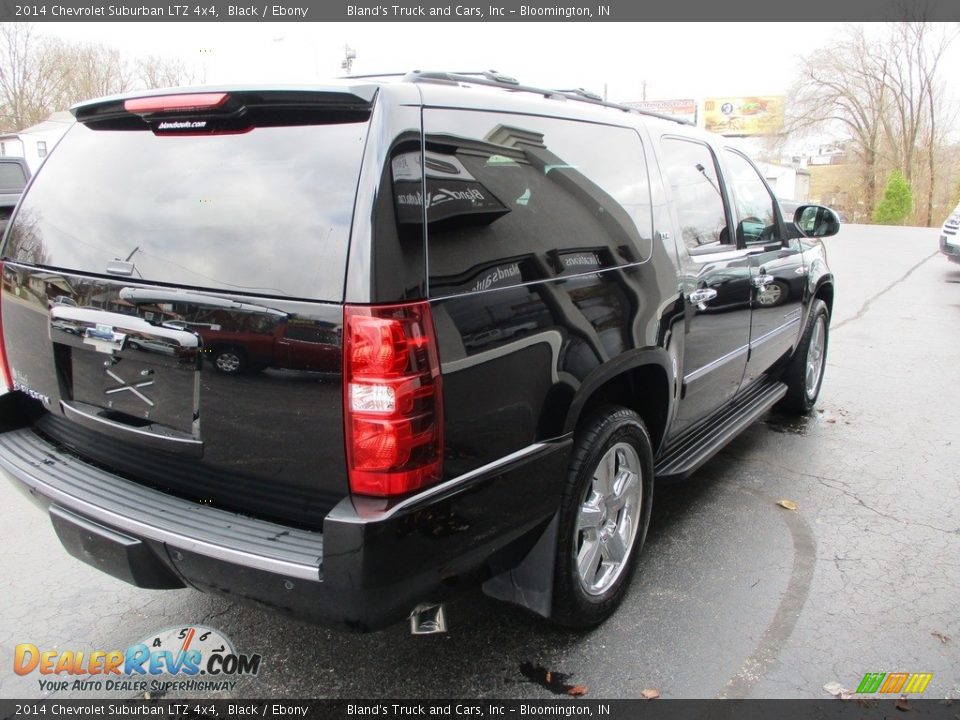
point(57, 121)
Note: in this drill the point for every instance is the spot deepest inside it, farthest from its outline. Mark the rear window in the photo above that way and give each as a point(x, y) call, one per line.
point(267, 211)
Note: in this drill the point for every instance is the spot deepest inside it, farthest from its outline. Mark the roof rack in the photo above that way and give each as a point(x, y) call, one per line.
point(371, 75)
point(492, 78)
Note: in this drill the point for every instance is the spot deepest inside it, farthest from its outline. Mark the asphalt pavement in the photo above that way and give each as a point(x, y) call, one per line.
point(735, 596)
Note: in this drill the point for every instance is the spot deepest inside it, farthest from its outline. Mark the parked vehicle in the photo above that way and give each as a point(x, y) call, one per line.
point(531, 304)
point(255, 345)
point(14, 175)
point(949, 242)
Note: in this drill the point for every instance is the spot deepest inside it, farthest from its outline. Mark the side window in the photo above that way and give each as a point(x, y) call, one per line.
point(514, 199)
point(756, 218)
point(303, 333)
point(691, 170)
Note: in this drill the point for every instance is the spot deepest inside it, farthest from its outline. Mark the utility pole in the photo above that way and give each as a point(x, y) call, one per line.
point(349, 55)
point(643, 94)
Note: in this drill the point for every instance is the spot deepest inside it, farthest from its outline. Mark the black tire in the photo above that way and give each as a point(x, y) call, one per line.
point(800, 398)
point(611, 429)
point(229, 360)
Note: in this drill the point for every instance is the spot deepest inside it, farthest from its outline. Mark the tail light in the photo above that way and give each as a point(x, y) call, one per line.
point(393, 403)
point(6, 380)
point(175, 103)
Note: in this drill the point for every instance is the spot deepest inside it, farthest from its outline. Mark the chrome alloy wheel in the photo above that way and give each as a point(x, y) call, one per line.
point(608, 519)
point(816, 356)
point(228, 362)
point(770, 295)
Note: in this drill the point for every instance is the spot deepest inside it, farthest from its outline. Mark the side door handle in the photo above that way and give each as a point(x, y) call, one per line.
point(701, 296)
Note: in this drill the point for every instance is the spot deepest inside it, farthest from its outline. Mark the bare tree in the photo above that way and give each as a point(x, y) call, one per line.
point(39, 75)
point(917, 122)
point(845, 89)
point(886, 96)
point(31, 75)
point(156, 72)
point(94, 71)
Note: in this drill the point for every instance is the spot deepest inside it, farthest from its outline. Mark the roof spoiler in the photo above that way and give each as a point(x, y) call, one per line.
point(230, 102)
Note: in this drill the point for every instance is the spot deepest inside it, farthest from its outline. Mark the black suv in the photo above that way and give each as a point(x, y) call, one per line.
point(537, 303)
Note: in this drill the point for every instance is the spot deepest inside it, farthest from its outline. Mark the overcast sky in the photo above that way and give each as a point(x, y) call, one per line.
point(676, 60)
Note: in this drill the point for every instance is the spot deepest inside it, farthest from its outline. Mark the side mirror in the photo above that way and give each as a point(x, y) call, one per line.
point(816, 221)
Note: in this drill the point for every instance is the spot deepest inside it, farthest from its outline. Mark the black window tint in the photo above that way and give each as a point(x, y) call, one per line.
point(11, 176)
point(692, 173)
point(757, 221)
point(514, 199)
point(267, 211)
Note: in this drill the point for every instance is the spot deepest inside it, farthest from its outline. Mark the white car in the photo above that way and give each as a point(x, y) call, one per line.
point(949, 240)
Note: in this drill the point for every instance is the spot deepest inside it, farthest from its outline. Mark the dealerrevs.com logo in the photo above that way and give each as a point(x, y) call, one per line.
point(189, 659)
point(895, 683)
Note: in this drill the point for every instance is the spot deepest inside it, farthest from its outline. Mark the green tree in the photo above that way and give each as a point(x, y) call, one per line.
point(897, 201)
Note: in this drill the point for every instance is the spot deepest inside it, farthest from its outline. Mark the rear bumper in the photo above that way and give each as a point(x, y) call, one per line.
point(371, 565)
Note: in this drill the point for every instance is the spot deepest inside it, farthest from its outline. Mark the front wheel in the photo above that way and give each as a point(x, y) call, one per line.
point(804, 374)
point(604, 515)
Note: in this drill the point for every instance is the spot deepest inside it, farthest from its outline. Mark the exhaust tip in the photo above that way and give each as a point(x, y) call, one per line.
point(428, 619)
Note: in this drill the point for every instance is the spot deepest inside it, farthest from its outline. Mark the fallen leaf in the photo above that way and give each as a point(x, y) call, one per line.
point(650, 694)
point(901, 704)
point(577, 690)
point(831, 420)
point(941, 637)
point(837, 690)
point(549, 677)
point(788, 504)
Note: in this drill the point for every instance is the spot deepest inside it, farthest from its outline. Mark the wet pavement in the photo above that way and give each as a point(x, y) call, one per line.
point(736, 596)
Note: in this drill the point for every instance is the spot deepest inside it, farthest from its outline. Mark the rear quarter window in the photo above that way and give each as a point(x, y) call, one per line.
point(514, 199)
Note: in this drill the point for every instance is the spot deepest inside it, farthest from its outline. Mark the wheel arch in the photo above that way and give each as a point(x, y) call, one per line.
point(227, 345)
point(639, 380)
point(824, 291)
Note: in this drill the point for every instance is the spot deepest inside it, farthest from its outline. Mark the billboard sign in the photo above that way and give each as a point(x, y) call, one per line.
point(753, 115)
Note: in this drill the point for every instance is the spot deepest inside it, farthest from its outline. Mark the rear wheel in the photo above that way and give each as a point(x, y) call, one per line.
point(804, 374)
point(229, 360)
point(604, 517)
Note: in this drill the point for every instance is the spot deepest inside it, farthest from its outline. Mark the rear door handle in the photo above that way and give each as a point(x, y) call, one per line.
point(701, 296)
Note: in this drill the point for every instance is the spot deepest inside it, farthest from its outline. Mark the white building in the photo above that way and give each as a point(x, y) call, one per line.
point(36, 142)
point(788, 181)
